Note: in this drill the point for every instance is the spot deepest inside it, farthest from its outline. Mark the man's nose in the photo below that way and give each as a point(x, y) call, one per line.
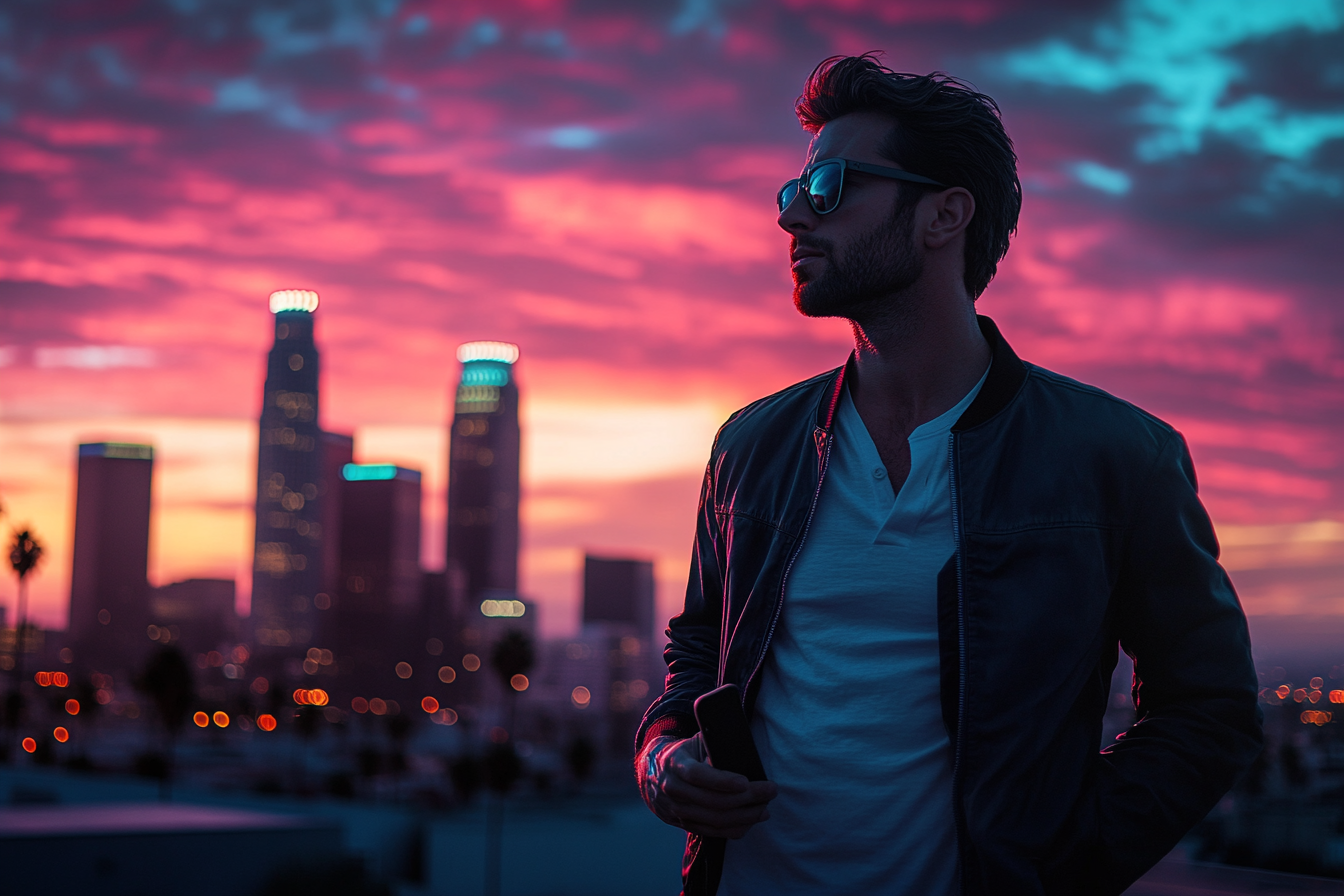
point(797, 216)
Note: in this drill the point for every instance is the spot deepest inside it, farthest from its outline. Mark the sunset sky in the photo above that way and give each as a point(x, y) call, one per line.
point(595, 182)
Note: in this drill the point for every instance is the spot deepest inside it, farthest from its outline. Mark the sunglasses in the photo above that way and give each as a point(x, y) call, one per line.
point(823, 183)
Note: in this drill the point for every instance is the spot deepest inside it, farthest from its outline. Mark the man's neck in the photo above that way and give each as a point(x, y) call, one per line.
point(913, 366)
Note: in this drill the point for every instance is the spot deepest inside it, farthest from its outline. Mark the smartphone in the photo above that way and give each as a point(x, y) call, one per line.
point(723, 728)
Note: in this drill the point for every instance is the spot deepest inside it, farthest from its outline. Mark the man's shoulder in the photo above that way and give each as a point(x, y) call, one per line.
point(791, 408)
point(1088, 412)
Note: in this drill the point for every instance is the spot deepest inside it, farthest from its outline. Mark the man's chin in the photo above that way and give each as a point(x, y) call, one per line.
point(813, 302)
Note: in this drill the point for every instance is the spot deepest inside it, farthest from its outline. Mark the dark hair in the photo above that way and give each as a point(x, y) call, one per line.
point(944, 130)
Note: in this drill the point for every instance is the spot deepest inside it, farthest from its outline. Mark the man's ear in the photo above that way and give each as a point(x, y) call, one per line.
point(952, 209)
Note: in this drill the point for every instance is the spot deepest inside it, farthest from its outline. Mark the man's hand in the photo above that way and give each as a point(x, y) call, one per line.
point(687, 792)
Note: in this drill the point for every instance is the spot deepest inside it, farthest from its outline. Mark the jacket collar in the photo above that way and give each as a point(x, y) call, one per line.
point(1007, 372)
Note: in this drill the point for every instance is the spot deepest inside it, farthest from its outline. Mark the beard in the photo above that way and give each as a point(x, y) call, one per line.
point(861, 282)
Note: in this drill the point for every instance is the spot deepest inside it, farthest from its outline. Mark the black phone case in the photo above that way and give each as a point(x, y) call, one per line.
point(727, 737)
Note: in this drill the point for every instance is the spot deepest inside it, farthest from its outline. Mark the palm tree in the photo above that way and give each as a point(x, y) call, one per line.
point(168, 681)
point(512, 657)
point(25, 553)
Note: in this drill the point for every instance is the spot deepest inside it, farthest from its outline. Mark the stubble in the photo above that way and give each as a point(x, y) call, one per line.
point(860, 282)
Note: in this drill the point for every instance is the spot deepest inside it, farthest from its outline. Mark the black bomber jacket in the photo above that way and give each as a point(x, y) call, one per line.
point(1077, 527)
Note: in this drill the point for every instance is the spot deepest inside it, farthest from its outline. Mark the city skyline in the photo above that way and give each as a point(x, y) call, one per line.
point(594, 185)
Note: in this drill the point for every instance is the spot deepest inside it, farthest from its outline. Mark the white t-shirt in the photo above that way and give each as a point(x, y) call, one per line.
point(848, 719)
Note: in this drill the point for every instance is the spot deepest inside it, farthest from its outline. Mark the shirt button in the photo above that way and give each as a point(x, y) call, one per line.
point(879, 473)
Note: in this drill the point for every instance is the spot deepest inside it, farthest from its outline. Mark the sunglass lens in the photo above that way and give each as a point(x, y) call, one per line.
point(823, 187)
point(787, 194)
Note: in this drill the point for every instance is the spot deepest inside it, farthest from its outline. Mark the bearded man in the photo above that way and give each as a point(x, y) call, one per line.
point(917, 567)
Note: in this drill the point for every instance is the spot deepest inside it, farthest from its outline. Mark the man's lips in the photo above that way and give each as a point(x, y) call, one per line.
point(801, 255)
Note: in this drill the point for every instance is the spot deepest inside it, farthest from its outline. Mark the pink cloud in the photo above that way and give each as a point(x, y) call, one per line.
point(88, 132)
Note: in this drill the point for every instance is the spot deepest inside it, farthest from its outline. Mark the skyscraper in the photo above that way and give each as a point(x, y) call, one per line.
point(618, 597)
point(369, 624)
point(288, 567)
point(483, 474)
point(338, 450)
point(109, 588)
point(619, 590)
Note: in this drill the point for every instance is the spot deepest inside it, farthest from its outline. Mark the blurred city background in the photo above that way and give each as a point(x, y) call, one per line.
point(359, 362)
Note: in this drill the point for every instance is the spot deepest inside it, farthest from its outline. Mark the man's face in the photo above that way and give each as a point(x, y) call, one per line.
point(848, 261)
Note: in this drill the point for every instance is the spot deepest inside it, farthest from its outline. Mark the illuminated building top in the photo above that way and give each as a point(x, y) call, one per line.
point(505, 352)
point(293, 300)
point(367, 472)
point(119, 450)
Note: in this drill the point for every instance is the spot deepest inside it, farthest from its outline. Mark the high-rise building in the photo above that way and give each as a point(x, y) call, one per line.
point(369, 623)
point(338, 450)
point(289, 561)
point(618, 596)
point(619, 590)
point(109, 588)
point(483, 455)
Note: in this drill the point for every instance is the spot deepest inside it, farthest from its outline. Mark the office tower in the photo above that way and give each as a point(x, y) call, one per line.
point(196, 614)
point(338, 450)
point(483, 474)
point(370, 625)
point(287, 573)
point(619, 591)
point(618, 623)
point(109, 581)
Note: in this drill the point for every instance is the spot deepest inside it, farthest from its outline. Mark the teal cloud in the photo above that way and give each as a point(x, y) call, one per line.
point(1181, 52)
point(1099, 177)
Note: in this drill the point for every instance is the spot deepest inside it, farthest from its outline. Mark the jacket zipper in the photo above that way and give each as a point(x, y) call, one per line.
point(958, 810)
point(788, 567)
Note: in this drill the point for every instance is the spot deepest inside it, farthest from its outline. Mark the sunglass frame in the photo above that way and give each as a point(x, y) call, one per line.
point(862, 167)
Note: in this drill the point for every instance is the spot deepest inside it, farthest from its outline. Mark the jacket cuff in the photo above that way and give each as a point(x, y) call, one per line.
point(671, 725)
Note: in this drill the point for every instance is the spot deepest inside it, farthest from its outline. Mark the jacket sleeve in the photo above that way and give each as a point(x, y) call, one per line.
point(692, 652)
point(1195, 686)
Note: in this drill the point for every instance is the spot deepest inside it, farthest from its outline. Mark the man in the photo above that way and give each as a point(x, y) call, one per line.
point(917, 567)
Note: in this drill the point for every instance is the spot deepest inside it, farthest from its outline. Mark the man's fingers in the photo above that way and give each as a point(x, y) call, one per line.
point(732, 818)
point(703, 775)
point(681, 791)
point(708, 822)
